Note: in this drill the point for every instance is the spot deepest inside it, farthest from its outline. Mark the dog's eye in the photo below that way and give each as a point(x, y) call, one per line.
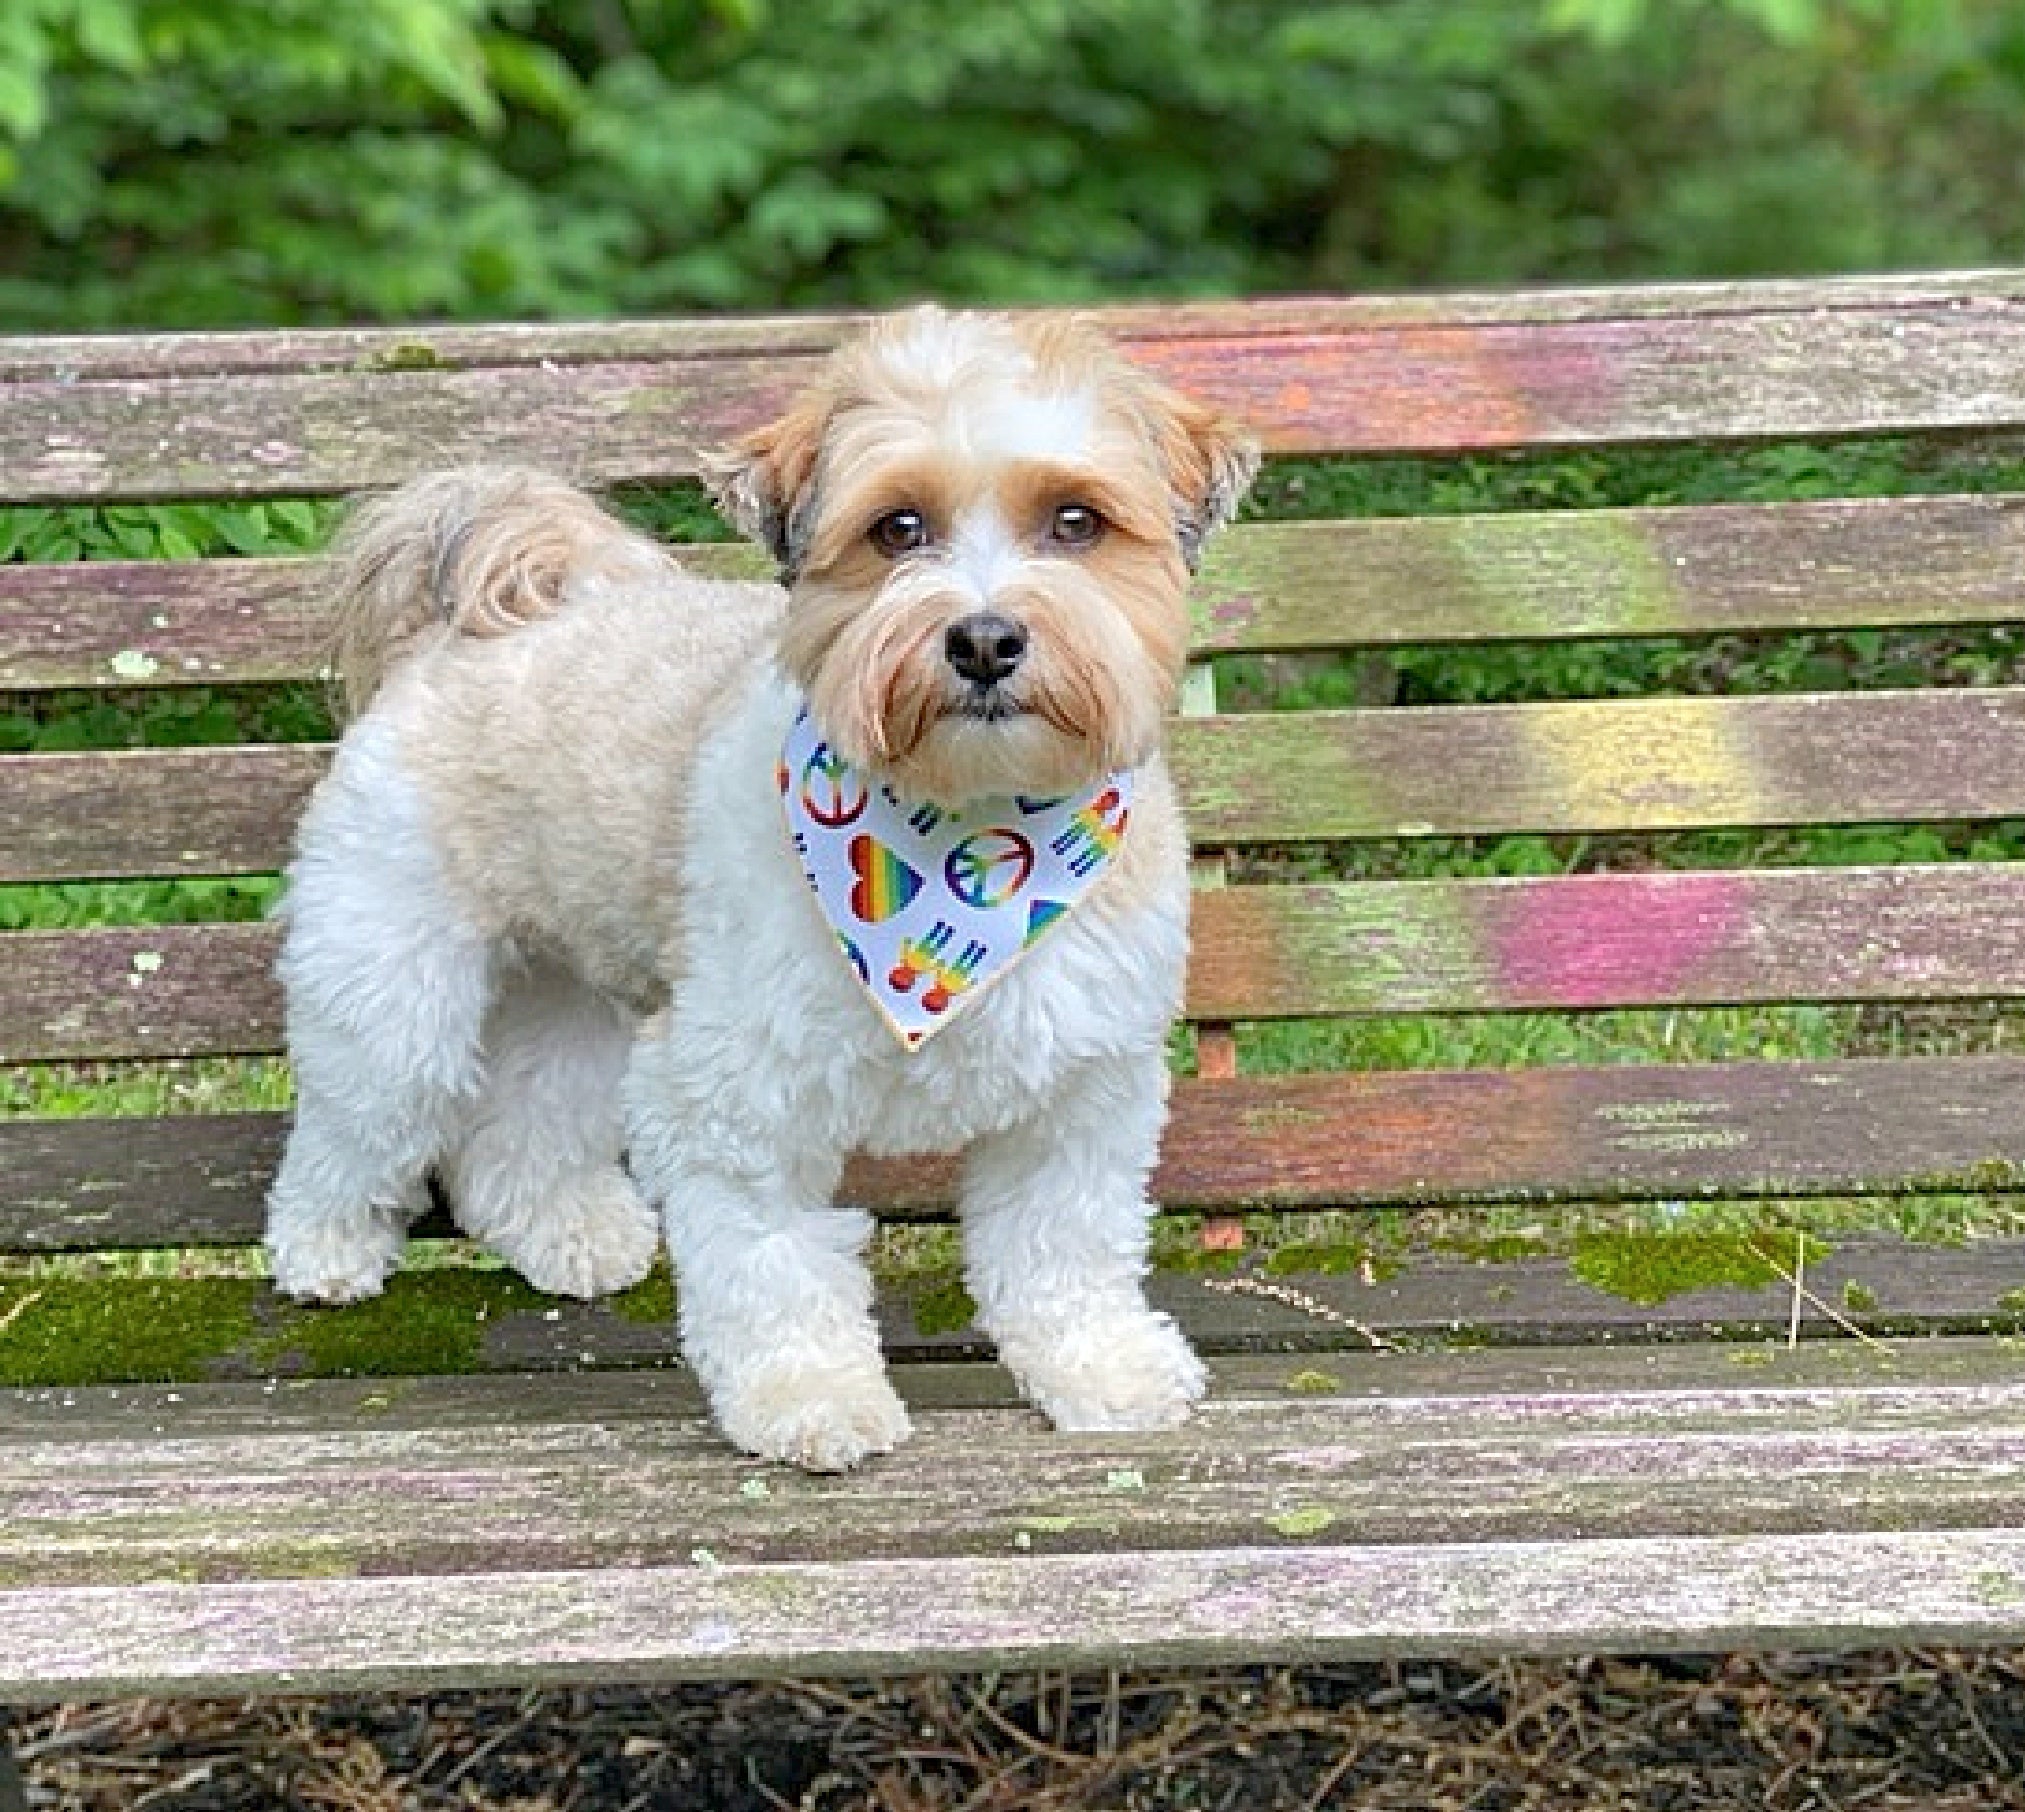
point(1075, 525)
point(900, 532)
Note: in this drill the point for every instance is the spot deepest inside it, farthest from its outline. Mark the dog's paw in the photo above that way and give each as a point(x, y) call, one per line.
point(1131, 1372)
point(595, 1237)
point(320, 1261)
point(821, 1419)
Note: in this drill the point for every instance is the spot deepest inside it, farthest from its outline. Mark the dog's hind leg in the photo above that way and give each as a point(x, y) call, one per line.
point(387, 984)
point(535, 1172)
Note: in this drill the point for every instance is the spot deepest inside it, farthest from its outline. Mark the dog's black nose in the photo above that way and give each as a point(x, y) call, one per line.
point(985, 647)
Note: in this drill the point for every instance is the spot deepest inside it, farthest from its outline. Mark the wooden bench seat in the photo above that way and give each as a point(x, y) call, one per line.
point(202, 1489)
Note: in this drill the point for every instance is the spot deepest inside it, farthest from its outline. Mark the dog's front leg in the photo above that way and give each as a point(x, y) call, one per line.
point(1056, 1228)
point(774, 1298)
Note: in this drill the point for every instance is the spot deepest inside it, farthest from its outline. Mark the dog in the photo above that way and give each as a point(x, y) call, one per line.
point(555, 930)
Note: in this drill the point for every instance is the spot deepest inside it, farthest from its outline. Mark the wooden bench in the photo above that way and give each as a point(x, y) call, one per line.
point(1451, 1455)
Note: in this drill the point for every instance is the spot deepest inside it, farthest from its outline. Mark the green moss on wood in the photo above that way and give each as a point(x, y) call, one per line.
point(651, 1302)
point(946, 1308)
point(431, 1322)
point(410, 355)
point(1300, 1523)
point(1330, 1261)
point(1859, 1298)
point(70, 1331)
point(1651, 1267)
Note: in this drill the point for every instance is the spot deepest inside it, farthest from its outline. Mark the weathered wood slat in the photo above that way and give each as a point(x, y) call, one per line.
point(1457, 770)
point(489, 1323)
point(150, 623)
point(460, 1549)
point(140, 991)
point(640, 1625)
point(144, 355)
point(240, 1500)
point(1605, 765)
point(1714, 569)
point(1919, 932)
point(189, 811)
point(1922, 1125)
point(1266, 587)
point(1876, 368)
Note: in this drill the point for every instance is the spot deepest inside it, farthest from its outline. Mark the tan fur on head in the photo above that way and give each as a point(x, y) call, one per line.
point(477, 552)
point(987, 427)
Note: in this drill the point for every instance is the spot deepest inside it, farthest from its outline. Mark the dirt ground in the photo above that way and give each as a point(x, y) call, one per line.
point(1940, 1731)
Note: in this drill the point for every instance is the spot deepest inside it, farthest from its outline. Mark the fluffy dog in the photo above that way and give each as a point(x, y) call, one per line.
point(548, 935)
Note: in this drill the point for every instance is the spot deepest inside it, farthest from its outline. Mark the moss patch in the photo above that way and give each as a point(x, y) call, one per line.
point(1494, 1248)
point(945, 1309)
point(113, 1330)
point(650, 1302)
point(1329, 1261)
point(432, 1322)
point(1298, 1524)
point(1651, 1267)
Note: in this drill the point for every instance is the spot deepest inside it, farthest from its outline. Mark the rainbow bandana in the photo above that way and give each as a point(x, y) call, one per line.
point(931, 905)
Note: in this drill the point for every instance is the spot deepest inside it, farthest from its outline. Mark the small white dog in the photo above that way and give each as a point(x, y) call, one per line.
point(552, 912)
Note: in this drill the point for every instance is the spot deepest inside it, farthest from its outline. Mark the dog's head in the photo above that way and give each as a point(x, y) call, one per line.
point(987, 528)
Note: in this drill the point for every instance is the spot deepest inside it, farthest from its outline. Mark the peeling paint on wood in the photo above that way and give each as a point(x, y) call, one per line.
point(1266, 587)
point(1458, 770)
point(1422, 384)
point(1918, 932)
point(1931, 1125)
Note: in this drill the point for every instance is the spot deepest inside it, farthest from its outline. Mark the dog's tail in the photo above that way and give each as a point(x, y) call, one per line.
point(477, 551)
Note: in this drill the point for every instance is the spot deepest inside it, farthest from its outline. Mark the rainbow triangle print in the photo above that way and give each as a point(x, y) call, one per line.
point(931, 904)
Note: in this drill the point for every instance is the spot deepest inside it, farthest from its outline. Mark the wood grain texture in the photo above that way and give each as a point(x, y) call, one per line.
point(1914, 1293)
point(151, 623)
point(378, 1540)
point(125, 812)
point(1265, 587)
point(1919, 932)
point(141, 355)
point(1920, 1125)
point(1607, 765)
point(1424, 386)
point(1713, 569)
point(138, 991)
point(642, 1625)
point(1282, 777)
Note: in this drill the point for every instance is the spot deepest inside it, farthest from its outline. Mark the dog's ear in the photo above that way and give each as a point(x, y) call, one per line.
point(1210, 461)
point(766, 482)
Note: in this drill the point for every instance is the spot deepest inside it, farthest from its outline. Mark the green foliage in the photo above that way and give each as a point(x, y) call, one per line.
point(189, 162)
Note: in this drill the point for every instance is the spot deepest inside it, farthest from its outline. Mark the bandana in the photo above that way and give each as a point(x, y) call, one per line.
point(931, 905)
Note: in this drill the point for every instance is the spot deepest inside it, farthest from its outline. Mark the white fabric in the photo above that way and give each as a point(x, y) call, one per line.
point(931, 905)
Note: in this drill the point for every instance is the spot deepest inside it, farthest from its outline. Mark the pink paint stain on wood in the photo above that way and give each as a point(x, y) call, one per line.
point(1596, 940)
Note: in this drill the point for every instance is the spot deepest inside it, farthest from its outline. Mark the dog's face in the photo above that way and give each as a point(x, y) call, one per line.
point(987, 529)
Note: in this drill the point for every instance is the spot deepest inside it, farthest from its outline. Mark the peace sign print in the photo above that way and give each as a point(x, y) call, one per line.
point(988, 868)
point(831, 793)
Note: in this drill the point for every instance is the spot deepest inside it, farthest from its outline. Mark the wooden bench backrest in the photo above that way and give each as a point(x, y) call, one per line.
point(284, 415)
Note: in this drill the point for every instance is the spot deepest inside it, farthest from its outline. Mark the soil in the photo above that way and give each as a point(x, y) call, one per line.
point(1943, 1731)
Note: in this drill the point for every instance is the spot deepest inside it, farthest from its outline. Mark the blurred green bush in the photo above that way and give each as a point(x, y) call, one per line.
point(187, 162)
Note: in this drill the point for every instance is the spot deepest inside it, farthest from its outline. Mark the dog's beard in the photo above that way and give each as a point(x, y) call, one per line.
point(1087, 699)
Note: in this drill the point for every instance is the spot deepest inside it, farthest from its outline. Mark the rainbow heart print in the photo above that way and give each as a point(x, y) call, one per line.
point(930, 905)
